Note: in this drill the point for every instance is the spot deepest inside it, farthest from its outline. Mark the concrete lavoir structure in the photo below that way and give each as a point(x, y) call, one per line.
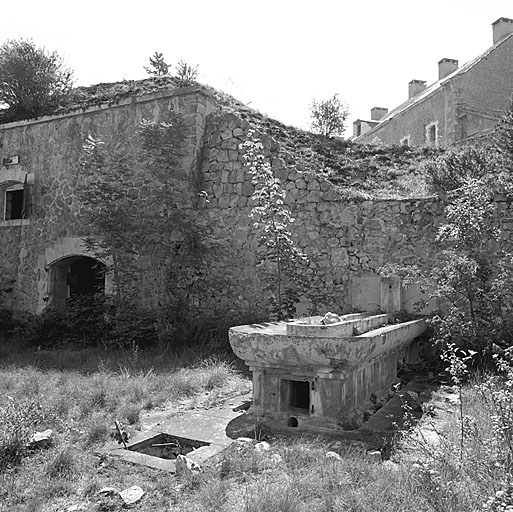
point(464, 103)
point(321, 377)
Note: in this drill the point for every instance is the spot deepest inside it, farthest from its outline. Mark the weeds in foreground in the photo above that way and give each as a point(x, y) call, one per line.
point(81, 408)
point(458, 360)
point(18, 419)
point(428, 472)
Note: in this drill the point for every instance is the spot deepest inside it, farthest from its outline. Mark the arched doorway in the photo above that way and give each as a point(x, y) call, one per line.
point(75, 276)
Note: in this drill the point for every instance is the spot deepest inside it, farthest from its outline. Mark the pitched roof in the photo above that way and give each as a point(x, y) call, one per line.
point(433, 88)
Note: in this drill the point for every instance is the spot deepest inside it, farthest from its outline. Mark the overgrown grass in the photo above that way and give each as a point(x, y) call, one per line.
point(79, 394)
point(428, 470)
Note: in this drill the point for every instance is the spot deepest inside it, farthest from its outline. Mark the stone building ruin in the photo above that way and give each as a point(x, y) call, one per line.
point(42, 236)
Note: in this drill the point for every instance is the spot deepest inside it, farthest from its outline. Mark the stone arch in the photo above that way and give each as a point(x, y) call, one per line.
point(74, 276)
point(69, 268)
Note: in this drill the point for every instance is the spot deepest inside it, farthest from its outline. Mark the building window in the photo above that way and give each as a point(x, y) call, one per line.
point(14, 203)
point(432, 134)
point(405, 141)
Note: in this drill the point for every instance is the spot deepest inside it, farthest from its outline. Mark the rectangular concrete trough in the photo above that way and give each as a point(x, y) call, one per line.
point(346, 327)
point(322, 376)
point(271, 345)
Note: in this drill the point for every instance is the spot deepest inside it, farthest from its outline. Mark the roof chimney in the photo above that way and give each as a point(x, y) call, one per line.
point(414, 87)
point(501, 28)
point(378, 113)
point(446, 67)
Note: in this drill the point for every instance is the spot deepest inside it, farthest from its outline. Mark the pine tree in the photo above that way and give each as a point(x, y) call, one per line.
point(158, 66)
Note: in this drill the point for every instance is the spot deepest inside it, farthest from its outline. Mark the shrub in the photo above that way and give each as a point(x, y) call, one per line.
point(472, 275)
point(279, 257)
point(132, 326)
point(186, 74)
point(80, 320)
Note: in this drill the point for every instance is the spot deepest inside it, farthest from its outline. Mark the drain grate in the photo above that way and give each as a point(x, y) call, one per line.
point(167, 446)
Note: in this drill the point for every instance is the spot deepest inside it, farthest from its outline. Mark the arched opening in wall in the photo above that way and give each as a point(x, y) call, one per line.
point(75, 276)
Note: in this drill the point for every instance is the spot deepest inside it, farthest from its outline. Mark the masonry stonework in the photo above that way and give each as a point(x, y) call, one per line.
point(49, 151)
point(346, 240)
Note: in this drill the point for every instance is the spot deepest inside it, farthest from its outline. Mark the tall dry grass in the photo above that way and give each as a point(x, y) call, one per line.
point(429, 469)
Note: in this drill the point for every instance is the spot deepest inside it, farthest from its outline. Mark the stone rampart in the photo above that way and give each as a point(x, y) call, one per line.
point(346, 239)
point(49, 150)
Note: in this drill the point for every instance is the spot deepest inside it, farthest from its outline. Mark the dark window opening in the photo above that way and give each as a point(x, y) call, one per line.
point(85, 277)
point(296, 394)
point(14, 204)
point(75, 276)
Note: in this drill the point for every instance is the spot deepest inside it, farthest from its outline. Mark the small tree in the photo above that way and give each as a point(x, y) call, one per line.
point(186, 74)
point(329, 117)
point(158, 66)
point(33, 81)
point(273, 220)
point(135, 208)
point(472, 275)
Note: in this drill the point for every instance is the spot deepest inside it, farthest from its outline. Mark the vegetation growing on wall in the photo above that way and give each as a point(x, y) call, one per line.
point(186, 74)
point(472, 279)
point(273, 221)
point(158, 66)
point(137, 206)
point(358, 170)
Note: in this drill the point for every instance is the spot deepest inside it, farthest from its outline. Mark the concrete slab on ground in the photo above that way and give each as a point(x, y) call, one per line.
point(207, 425)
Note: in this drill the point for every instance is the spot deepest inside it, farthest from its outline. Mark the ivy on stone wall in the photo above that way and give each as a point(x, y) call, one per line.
point(138, 206)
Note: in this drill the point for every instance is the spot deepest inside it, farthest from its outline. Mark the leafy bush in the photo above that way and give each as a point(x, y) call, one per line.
point(80, 320)
point(89, 320)
point(279, 256)
point(454, 168)
point(471, 277)
point(132, 326)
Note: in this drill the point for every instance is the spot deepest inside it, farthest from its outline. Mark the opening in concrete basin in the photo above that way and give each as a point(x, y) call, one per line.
point(292, 422)
point(295, 395)
point(166, 446)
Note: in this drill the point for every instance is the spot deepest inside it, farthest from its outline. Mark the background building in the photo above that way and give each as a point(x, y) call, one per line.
point(465, 102)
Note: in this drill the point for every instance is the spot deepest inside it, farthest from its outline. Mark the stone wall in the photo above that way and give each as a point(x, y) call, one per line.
point(346, 240)
point(49, 150)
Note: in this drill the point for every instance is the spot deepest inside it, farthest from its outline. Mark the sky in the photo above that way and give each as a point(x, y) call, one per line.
point(274, 55)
